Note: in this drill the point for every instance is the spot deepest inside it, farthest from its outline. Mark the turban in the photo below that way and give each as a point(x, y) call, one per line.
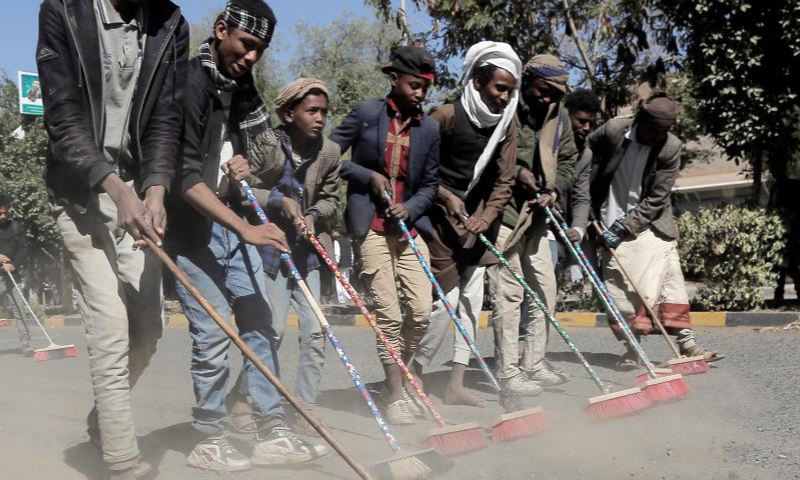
point(659, 109)
point(237, 17)
point(297, 90)
point(550, 69)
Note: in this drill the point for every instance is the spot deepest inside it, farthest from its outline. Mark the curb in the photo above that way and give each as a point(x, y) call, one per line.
point(567, 319)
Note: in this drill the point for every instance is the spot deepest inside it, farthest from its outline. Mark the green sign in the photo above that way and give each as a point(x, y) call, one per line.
point(30, 94)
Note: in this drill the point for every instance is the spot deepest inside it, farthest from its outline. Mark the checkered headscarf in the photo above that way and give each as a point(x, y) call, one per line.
point(245, 21)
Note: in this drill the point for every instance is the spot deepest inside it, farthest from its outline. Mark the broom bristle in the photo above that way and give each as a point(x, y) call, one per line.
point(617, 404)
point(414, 466)
point(521, 424)
point(664, 389)
point(54, 352)
point(688, 365)
point(3, 322)
point(660, 373)
point(408, 468)
point(456, 439)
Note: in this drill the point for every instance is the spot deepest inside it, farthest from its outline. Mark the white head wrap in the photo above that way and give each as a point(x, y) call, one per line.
point(503, 56)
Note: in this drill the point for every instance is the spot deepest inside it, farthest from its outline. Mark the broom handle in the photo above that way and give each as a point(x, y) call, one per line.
point(263, 368)
point(365, 311)
point(326, 327)
point(22, 296)
point(638, 292)
point(552, 319)
point(443, 298)
point(601, 289)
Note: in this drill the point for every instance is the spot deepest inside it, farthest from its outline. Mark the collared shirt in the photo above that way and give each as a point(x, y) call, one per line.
point(395, 156)
point(626, 187)
point(121, 52)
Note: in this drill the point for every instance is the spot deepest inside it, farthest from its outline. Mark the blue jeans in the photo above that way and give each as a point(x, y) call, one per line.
point(229, 274)
point(282, 290)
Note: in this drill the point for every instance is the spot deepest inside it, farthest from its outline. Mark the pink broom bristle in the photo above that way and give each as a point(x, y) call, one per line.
point(617, 404)
point(665, 389)
point(689, 365)
point(456, 440)
point(521, 424)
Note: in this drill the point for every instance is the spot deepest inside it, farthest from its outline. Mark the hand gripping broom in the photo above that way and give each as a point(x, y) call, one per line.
point(607, 405)
point(408, 466)
point(53, 351)
point(260, 365)
point(681, 363)
point(326, 327)
point(454, 439)
point(657, 389)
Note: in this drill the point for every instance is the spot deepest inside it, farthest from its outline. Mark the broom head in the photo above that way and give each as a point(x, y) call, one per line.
point(688, 365)
point(54, 352)
point(521, 424)
point(413, 466)
point(3, 322)
point(660, 372)
point(617, 404)
point(665, 388)
point(456, 439)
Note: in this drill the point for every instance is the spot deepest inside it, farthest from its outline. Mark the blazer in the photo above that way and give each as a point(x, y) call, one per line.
point(364, 131)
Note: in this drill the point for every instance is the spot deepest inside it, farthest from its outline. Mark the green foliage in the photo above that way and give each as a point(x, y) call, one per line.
point(736, 250)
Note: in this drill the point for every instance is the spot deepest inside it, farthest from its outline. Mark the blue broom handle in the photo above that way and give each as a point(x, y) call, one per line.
point(443, 298)
point(326, 327)
point(541, 305)
point(577, 252)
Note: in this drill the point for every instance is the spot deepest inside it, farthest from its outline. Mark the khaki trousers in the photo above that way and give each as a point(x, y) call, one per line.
point(531, 258)
point(119, 295)
point(388, 261)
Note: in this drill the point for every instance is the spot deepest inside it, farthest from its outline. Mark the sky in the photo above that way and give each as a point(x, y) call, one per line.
point(20, 23)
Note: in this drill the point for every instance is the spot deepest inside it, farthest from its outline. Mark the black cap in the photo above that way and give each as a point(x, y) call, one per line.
point(412, 60)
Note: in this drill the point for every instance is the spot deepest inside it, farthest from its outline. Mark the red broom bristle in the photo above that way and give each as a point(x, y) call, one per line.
point(660, 373)
point(664, 389)
point(689, 366)
point(522, 424)
point(456, 440)
point(617, 404)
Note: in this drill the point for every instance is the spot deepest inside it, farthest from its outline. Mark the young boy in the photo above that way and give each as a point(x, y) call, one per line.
point(395, 150)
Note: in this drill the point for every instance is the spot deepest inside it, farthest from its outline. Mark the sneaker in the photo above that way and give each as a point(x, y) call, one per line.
point(217, 454)
point(397, 413)
point(413, 404)
point(281, 446)
point(139, 470)
point(628, 361)
point(520, 386)
point(547, 378)
point(241, 418)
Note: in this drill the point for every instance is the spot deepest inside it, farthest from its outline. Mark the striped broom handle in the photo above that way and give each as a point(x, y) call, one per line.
point(443, 298)
point(326, 327)
point(577, 252)
point(372, 323)
point(552, 319)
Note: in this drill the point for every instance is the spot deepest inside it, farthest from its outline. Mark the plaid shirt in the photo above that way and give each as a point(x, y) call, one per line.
point(398, 146)
point(290, 185)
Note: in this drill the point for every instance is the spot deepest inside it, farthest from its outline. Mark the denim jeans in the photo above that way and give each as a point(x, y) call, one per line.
point(281, 291)
point(229, 275)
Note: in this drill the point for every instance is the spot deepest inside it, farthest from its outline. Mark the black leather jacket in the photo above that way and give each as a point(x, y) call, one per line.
point(71, 76)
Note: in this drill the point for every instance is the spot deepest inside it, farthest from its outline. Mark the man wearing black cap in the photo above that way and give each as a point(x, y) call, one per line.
point(395, 150)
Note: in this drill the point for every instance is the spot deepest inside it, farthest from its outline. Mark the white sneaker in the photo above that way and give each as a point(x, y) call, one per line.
point(217, 454)
point(281, 446)
point(397, 413)
point(547, 378)
point(413, 404)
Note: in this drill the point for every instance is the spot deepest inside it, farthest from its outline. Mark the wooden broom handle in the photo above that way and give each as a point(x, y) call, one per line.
point(641, 297)
point(264, 369)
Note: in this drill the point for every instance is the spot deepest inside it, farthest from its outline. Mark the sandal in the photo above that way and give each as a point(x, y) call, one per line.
point(708, 355)
point(627, 362)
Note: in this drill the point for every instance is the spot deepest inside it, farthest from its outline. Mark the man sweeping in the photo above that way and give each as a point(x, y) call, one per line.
point(13, 253)
point(112, 74)
point(545, 165)
point(477, 170)
point(634, 166)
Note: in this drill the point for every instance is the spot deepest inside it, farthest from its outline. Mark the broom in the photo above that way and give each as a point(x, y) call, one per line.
point(607, 405)
point(400, 467)
point(681, 363)
point(454, 439)
point(260, 365)
point(326, 327)
point(657, 389)
point(53, 351)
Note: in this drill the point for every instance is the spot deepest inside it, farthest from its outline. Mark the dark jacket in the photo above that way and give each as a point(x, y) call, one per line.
point(71, 75)
point(607, 147)
point(365, 130)
point(13, 243)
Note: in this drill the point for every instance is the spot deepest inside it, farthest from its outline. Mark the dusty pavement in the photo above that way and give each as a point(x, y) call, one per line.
point(741, 420)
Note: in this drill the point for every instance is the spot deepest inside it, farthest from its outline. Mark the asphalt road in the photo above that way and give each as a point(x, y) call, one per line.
point(740, 420)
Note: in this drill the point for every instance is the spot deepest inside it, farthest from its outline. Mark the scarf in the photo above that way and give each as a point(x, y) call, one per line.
point(237, 17)
point(500, 55)
point(550, 69)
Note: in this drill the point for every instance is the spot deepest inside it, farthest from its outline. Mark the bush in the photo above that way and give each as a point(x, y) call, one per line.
point(735, 250)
